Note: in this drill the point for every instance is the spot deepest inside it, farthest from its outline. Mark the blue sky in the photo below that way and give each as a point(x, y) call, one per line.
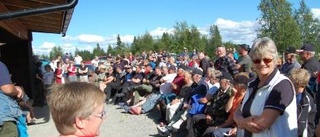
point(100, 21)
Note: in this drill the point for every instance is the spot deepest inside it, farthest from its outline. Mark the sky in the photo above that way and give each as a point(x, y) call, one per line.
point(100, 21)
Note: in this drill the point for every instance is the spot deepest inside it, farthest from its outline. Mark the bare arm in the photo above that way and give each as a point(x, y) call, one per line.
point(230, 101)
point(205, 99)
point(11, 90)
point(229, 104)
point(256, 124)
point(135, 80)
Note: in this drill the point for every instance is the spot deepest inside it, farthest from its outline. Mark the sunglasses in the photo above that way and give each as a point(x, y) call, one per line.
point(265, 61)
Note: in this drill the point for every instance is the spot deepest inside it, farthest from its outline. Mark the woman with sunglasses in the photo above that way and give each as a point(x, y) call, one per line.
point(77, 109)
point(269, 105)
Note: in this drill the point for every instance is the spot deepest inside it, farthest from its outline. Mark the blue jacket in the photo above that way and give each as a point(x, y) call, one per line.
point(9, 108)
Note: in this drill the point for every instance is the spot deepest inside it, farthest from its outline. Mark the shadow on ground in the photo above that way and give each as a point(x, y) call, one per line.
point(42, 113)
point(154, 114)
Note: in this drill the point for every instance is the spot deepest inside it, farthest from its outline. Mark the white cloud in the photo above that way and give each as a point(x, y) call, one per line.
point(159, 31)
point(127, 38)
point(316, 13)
point(44, 48)
point(90, 38)
point(237, 32)
point(47, 45)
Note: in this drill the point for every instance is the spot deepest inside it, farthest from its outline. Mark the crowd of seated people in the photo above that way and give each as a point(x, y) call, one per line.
point(216, 99)
point(243, 92)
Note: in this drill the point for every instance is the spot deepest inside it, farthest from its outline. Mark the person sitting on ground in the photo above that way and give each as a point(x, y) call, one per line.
point(113, 82)
point(77, 109)
point(215, 113)
point(150, 102)
point(171, 95)
point(175, 117)
point(127, 88)
point(229, 126)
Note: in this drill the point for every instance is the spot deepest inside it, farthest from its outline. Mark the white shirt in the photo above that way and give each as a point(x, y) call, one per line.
point(165, 88)
point(94, 63)
point(214, 88)
point(77, 59)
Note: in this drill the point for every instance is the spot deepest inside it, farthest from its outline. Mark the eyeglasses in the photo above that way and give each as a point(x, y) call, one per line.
point(100, 115)
point(265, 61)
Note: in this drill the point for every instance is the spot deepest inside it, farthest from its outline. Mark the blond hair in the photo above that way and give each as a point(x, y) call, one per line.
point(263, 47)
point(299, 77)
point(73, 100)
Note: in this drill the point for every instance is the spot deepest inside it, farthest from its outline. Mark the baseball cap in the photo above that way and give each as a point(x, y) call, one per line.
point(290, 50)
point(306, 47)
point(197, 71)
point(245, 47)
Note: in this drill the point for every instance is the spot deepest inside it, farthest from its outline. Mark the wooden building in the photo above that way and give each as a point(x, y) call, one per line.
point(18, 19)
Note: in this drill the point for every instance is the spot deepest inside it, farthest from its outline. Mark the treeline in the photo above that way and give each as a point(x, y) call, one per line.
point(278, 20)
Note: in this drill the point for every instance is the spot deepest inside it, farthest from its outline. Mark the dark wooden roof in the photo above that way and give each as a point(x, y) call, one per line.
point(53, 22)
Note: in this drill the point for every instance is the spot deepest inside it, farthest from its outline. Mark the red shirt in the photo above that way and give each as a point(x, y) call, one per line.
point(58, 72)
point(179, 81)
point(73, 68)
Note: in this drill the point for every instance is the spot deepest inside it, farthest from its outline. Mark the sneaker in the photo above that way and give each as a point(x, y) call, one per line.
point(177, 124)
point(163, 131)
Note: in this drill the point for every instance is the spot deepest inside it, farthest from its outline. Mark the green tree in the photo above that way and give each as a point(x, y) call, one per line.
point(55, 52)
point(147, 42)
point(214, 39)
point(119, 46)
point(195, 40)
point(98, 51)
point(164, 42)
point(110, 50)
point(309, 26)
point(86, 55)
point(278, 24)
point(43, 56)
point(134, 46)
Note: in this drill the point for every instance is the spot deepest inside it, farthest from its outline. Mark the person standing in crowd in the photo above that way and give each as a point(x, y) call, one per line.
point(310, 63)
point(83, 72)
point(8, 105)
point(204, 63)
point(95, 62)
point(225, 64)
point(72, 72)
point(305, 102)
point(48, 78)
point(39, 97)
point(131, 57)
point(291, 62)
point(73, 117)
point(269, 106)
point(243, 64)
point(77, 59)
point(66, 57)
point(58, 73)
